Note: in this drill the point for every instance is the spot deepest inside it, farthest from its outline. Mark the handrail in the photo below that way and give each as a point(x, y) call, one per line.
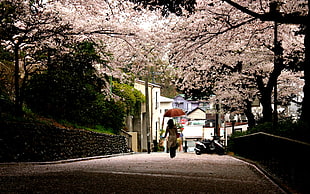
point(276, 136)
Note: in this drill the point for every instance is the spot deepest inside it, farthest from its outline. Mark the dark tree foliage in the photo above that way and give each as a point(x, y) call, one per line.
point(168, 6)
point(71, 90)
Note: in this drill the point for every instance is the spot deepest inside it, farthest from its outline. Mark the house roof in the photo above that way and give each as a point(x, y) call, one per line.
point(165, 99)
point(189, 98)
point(195, 109)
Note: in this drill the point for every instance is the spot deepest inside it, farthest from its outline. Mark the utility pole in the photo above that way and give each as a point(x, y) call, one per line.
point(18, 104)
point(274, 9)
point(217, 122)
point(147, 108)
point(275, 92)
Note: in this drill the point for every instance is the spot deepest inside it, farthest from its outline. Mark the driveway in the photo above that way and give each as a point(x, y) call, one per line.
point(138, 173)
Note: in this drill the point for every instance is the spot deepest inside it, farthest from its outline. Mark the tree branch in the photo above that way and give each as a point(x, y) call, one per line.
point(104, 32)
point(207, 37)
point(285, 19)
point(243, 9)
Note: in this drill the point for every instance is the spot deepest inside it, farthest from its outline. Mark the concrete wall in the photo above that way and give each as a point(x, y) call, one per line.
point(29, 142)
point(134, 141)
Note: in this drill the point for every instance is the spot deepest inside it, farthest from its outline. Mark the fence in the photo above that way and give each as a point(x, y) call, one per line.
point(288, 159)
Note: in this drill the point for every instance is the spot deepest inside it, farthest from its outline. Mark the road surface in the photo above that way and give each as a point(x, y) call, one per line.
point(138, 173)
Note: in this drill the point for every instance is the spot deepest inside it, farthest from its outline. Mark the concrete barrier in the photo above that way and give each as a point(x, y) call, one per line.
point(287, 158)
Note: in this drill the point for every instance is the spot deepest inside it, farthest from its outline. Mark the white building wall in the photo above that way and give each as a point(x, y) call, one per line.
point(154, 115)
point(165, 104)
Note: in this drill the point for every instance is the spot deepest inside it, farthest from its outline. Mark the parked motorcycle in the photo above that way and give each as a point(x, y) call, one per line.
point(209, 146)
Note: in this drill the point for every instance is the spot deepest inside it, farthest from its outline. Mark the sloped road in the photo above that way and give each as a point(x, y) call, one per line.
point(138, 173)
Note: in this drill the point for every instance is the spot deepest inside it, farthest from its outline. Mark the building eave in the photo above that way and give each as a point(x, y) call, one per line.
point(150, 84)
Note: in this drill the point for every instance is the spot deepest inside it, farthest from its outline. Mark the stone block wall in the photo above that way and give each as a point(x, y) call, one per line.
point(31, 142)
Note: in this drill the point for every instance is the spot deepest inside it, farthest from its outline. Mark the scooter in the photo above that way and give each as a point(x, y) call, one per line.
point(209, 146)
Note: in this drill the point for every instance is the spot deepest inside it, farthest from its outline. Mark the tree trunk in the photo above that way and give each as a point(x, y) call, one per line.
point(267, 109)
point(249, 114)
point(265, 97)
point(18, 104)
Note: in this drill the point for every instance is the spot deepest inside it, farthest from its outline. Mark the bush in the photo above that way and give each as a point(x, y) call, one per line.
point(131, 97)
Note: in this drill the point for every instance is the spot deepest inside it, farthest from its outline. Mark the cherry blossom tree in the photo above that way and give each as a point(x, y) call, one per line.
point(213, 43)
point(30, 28)
point(132, 35)
point(294, 13)
point(26, 27)
point(213, 38)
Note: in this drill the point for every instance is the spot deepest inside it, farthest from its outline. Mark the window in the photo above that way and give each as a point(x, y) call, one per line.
point(156, 100)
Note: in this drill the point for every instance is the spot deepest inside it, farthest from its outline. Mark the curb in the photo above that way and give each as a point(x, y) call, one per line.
point(68, 160)
point(275, 180)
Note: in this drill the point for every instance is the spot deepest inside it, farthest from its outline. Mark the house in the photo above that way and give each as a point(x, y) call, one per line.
point(196, 114)
point(180, 102)
point(189, 104)
point(138, 122)
point(165, 104)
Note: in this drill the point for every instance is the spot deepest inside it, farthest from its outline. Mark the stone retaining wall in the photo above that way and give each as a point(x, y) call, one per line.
point(30, 142)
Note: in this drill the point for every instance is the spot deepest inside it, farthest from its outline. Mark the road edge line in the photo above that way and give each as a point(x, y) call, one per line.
point(68, 160)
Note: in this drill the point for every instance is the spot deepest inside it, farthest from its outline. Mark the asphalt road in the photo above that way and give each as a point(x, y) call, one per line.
point(138, 173)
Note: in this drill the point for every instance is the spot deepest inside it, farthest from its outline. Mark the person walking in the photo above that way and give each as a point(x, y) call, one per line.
point(172, 138)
